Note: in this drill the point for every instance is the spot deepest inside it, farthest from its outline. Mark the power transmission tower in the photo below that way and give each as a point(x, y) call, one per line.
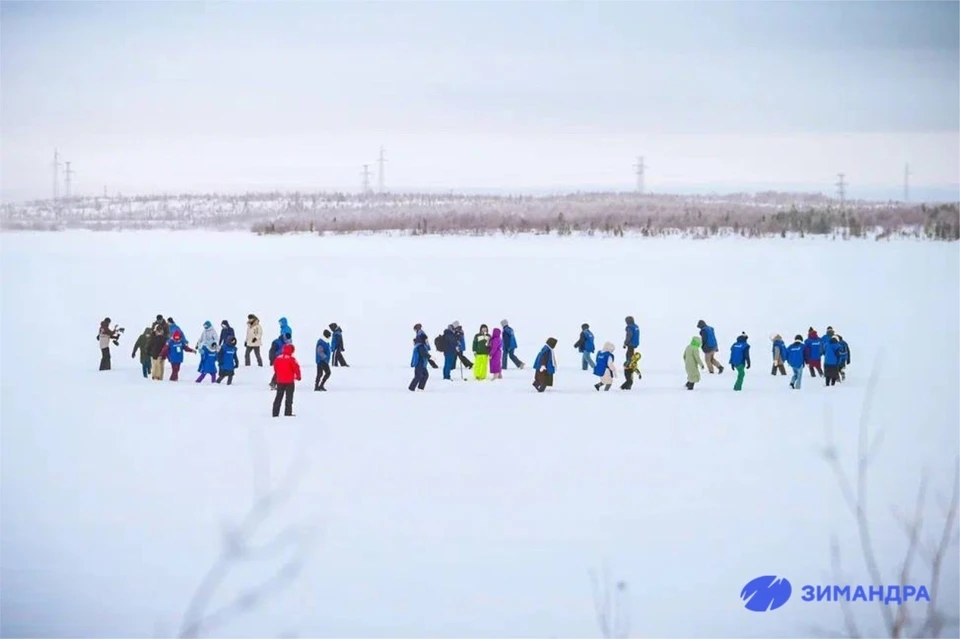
point(906, 182)
point(640, 168)
point(841, 188)
point(56, 174)
point(366, 178)
point(380, 162)
point(68, 174)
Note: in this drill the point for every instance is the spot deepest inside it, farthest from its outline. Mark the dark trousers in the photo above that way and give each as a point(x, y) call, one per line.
point(463, 360)
point(323, 374)
point(814, 365)
point(338, 359)
point(285, 395)
point(256, 351)
point(420, 377)
point(832, 373)
point(145, 367)
point(509, 356)
point(213, 378)
point(228, 375)
point(778, 367)
point(449, 363)
point(628, 373)
point(105, 359)
point(174, 372)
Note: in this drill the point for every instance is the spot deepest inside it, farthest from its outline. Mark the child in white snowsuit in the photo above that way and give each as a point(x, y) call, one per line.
point(605, 368)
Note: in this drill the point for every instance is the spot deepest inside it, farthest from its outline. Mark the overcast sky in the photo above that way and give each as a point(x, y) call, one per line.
point(174, 96)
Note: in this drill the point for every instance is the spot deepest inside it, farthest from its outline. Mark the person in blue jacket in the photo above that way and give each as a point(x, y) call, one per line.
point(276, 349)
point(795, 358)
point(228, 360)
point(585, 346)
point(208, 362)
point(510, 346)
point(631, 340)
point(814, 345)
point(450, 343)
point(285, 327)
point(172, 328)
point(336, 343)
point(173, 352)
point(844, 357)
point(461, 345)
point(831, 361)
point(323, 353)
point(740, 359)
point(545, 366)
point(779, 352)
point(419, 362)
point(710, 347)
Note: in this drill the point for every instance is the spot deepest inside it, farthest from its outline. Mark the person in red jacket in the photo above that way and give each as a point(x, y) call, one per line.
point(287, 371)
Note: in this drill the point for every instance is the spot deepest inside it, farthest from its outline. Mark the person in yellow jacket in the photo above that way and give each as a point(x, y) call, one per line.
point(631, 368)
point(692, 362)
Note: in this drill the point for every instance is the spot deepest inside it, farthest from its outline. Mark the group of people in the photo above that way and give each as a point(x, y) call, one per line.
point(826, 357)
point(164, 341)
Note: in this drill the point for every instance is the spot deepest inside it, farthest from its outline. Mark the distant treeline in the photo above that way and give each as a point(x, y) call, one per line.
point(613, 214)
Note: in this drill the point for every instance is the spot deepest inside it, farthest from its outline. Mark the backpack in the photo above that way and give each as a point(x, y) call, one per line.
point(438, 342)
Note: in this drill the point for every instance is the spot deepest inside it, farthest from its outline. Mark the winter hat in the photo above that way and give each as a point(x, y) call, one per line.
point(283, 320)
point(225, 324)
point(106, 320)
point(552, 342)
point(455, 324)
point(701, 324)
point(609, 347)
point(695, 341)
point(208, 324)
point(177, 335)
point(326, 334)
point(629, 319)
point(742, 337)
point(288, 349)
point(584, 326)
point(333, 326)
point(170, 320)
point(798, 338)
point(159, 317)
point(417, 326)
point(777, 337)
point(504, 323)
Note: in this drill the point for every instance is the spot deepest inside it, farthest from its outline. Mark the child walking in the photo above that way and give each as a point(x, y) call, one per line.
point(692, 362)
point(630, 368)
point(605, 368)
point(421, 355)
point(740, 359)
point(228, 359)
point(208, 362)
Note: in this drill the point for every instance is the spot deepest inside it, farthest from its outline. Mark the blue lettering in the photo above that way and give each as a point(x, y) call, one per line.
point(823, 593)
point(922, 594)
point(908, 591)
point(807, 593)
point(838, 591)
point(859, 594)
point(876, 591)
point(893, 596)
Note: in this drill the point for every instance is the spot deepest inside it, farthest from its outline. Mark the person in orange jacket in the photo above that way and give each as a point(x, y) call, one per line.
point(287, 370)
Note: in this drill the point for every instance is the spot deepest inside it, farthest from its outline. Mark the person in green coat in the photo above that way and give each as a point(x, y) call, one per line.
point(481, 351)
point(692, 362)
point(142, 345)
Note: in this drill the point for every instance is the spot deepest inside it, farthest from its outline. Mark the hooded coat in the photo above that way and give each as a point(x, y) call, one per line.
point(209, 335)
point(605, 368)
point(692, 361)
point(286, 366)
point(285, 327)
point(496, 352)
point(208, 360)
point(226, 332)
point(779, 350)
point(143, 345)
point(254, 333)
point(547, 359)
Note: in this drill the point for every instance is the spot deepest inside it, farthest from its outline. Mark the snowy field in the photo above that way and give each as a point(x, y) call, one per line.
point(475, 509)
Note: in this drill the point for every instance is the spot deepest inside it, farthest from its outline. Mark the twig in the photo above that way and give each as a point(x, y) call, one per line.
point(913, 529)
point(935, 623)
point(852, 631)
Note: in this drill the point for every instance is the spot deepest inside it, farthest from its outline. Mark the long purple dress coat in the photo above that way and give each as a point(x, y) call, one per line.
point(496, 352)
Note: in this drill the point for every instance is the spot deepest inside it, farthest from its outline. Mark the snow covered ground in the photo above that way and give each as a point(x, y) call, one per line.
point(476, 509)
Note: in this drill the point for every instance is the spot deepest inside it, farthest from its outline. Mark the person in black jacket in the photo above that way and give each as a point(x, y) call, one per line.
point(449, 342)
point(157, 341)
point(336, 345)
point(461, 345)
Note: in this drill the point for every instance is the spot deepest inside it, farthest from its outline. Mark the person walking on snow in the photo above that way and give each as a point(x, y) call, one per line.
point(226, 332)
point(162, 325)
point(509, 346)
point(323, 362)
point(208, 362)
point(336, 343)
point(796, 358)
point(143, 345)
point(157, 341)
point(173, 328)
point(418, 362)
point(586, 347)
point(692, 362)
point(253, 341)
point(708, 337)
point(285, 327)
point(740, 359)
point(545, 365)
point(814, 352)
point(844, 357)
point(496, 355)
point(779, 356)
point(417, 331)
point(449, 344)
point(605, 369)
point(173, 351)
point(228, 360)
point(831, 361)
point(631, 340)
point(209, 335)
point(631, 368)
point(481, 353)
point(461, 345)
point(104, 337)
point(276, 350)
point(286, 370)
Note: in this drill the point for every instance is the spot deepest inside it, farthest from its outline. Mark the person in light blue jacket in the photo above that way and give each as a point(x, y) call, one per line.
point(510, 346)
point(285, 327)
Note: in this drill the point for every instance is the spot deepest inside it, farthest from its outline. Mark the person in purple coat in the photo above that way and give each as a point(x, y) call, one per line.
point(496, 355)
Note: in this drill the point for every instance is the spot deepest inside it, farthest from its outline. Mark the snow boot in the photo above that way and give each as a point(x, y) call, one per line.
point(607, 387)
point(597, 386)
point(720, 371)
point(689, 385)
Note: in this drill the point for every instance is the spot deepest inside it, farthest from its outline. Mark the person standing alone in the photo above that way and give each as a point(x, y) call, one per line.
point(254, 340)
point(287, 371)
point(708, 340)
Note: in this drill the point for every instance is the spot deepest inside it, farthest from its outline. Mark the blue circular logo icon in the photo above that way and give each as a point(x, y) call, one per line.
point(765, 593)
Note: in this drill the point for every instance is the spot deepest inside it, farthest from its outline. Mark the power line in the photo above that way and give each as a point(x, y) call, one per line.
point(380, 162)
point(906, 182)
point(56, 174)
point(640, 168)
point(68, 174)
point(366, 178)
point(841, 188)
